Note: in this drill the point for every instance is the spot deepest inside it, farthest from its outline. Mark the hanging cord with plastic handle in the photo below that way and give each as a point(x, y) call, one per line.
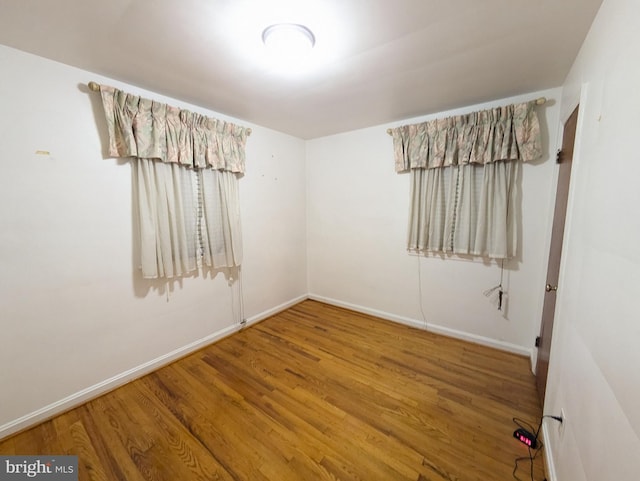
point(498, 288)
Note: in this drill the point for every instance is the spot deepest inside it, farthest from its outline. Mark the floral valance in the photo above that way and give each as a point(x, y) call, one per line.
point(146, 129)
point(504, 133)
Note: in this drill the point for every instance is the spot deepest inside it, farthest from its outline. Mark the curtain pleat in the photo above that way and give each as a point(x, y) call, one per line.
point(164, 195)
point(143, 128)
point(431, 219)
point(223, 246)
point(496, 235)
point(462, 235)
point(418, 221)
point(511, 132)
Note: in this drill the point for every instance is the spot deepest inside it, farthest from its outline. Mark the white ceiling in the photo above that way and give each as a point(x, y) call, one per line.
point(375, 61)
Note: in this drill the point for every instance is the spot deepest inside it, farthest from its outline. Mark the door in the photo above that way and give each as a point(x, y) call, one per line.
point(565, 156)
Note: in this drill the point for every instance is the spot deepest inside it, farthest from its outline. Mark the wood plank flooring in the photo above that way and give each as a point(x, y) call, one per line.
point(313, 393)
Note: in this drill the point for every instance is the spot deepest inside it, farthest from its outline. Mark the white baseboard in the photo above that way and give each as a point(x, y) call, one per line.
point(92, 392)
point(270, 312)
point(549, 464)
point(118, 380)
point(445, 331)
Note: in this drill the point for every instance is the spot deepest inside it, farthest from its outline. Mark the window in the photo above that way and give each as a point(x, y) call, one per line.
point(186, 168)
point(464, 174)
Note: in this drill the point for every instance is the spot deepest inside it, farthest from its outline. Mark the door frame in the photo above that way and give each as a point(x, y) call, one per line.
point(562, 240)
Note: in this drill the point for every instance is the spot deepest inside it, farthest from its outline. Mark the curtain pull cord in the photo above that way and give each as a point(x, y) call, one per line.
point(499, 288)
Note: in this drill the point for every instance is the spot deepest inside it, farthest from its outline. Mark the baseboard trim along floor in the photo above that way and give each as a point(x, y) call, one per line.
point(436, 329)
point(114, 382)
point(118, 380)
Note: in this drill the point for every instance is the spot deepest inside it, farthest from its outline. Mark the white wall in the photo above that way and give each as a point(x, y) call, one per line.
point(357, 224)
point(595, 359)
point(76, 316)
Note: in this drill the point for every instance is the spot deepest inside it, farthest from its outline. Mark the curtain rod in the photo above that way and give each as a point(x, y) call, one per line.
point(95, 87)
point(539, 101)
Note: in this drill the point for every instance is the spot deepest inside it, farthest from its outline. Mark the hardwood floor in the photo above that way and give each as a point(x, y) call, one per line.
point(313, 393)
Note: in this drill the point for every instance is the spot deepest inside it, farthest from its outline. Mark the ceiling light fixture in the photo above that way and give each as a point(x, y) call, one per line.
point(288, 40)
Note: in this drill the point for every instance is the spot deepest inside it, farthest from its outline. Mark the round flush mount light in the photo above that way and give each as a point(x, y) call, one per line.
point(288, 39)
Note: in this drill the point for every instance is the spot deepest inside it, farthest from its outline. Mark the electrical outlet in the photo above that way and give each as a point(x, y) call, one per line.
point(561, 426)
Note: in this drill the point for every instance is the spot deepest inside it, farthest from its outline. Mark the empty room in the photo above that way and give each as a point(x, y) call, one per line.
point(319, 240)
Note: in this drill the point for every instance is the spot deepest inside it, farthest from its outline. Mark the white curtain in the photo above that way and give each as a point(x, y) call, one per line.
point(221, 233)
point(186, 216)
point(464, 209)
